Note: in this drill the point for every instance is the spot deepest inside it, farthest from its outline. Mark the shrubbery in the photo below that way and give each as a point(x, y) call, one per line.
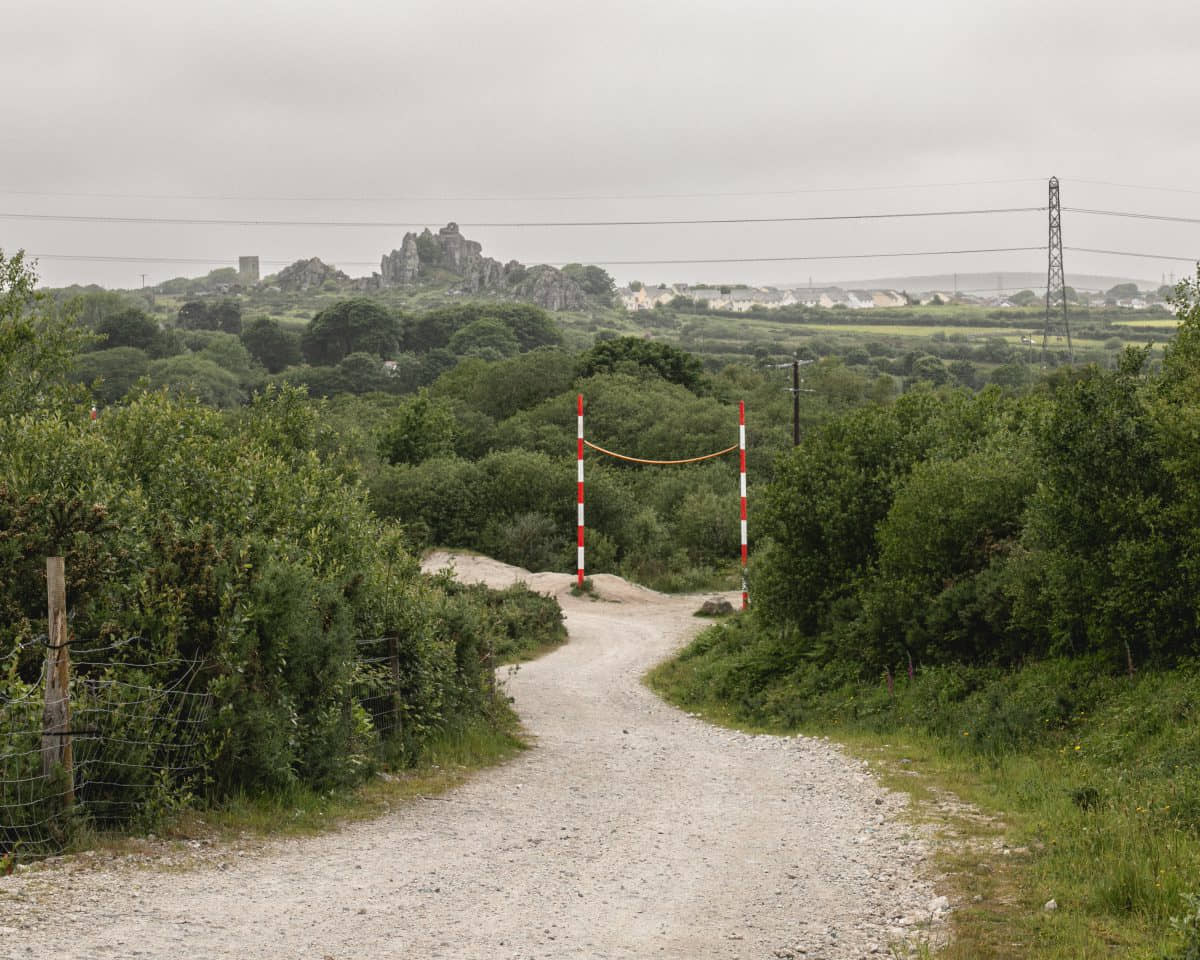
point(240, 550)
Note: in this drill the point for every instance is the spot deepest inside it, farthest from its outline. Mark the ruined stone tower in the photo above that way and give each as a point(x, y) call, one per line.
point(248, 270)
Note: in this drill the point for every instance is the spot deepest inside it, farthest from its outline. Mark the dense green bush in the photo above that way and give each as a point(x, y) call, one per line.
point(239, 548)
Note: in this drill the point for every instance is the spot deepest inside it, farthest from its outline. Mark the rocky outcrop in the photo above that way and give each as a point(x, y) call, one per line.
point(400, 267)
point(309, 274)
point(458, 253)
point(550, 289)
point(448, 250)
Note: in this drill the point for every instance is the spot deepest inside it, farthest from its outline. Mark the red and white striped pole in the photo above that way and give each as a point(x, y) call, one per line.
point(579, 458)
point(742, 478)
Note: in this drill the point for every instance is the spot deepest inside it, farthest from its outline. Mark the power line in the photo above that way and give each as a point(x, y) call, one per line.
point(1132, 216)
point(830, 256)
point(222, 222)
point(518, 197)
point(559, 263)
point(1126, 253)
point(1132, 186)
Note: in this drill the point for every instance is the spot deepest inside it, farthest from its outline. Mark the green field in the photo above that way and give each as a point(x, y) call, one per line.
point(1163, 323)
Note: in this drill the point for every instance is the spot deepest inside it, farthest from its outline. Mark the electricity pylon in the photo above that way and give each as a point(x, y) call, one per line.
point(1056, 291)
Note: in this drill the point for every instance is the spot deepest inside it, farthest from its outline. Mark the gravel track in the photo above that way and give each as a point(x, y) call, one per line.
point(631, 830)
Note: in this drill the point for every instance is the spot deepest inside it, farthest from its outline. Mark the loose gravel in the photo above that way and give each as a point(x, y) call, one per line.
point(630, 830)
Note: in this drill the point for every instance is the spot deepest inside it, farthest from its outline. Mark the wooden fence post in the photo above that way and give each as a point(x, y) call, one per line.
point(397, 701)
point(56, 714)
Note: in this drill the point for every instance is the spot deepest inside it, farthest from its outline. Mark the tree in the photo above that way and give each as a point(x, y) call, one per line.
point(504, 388)
point(37, 346)
point(270, 344)
point(1013, 374)
point(362, 372)
point(422, 428)
point(966, 373)
point(595, 281)
point(487, 338)
point(223, 315)
point(1025, 298)
point(111, 373)
point(532, 326)
point(129, 328)
point(1122, 291)
point(633, 353)
point(930, 368)
point(351, 326)
point(95, 305)
point(198, 377)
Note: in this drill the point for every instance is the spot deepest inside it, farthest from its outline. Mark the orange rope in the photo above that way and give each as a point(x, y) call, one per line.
point(621, 456)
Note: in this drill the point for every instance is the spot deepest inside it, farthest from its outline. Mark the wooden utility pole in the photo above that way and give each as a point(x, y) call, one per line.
point(796, 364)
point(56, 714)
point(796, 402)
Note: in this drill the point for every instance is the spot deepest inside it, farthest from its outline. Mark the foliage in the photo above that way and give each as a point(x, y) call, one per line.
point(487, 337)
point(224, 315)
point(131, 327)
point(595, 281)
point(421, 428)
point(628, 354)
point(229, 541)
point(530, 326)
point(38, 346)
point(198, 377)
point(350, 326)
point(270, 344)
point(111, 373)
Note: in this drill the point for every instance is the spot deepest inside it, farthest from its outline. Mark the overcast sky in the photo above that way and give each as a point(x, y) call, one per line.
point(513, 111)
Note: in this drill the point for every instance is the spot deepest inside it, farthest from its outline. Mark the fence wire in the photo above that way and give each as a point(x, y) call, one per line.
point(136, 726)
point(377, 684)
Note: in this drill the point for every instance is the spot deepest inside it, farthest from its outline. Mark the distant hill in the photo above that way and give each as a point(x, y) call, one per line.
point(999, 282)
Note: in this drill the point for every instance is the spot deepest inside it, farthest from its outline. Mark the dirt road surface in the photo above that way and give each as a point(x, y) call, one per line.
point(630, 830)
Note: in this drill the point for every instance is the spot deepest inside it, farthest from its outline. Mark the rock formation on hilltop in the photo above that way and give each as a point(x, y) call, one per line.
point(448, 250)
point(550, 289)
point(400, 267)
point(307, 274)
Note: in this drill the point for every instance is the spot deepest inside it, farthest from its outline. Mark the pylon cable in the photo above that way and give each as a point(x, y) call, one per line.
point(378, 224)
point(1130, 215)
point(516, 198)
point(1127, 253)
point(103, 258)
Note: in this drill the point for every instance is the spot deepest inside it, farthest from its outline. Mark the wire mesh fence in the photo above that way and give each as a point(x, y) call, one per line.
point(137, 732)
point(377, 684)
point(136, 727)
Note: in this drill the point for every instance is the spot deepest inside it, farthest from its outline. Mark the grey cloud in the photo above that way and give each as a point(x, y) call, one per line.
point(536, 97)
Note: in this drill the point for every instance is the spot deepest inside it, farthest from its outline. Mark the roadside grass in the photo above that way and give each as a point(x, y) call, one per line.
point(1058, 782)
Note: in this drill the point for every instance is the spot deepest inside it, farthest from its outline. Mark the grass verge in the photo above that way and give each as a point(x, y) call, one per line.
point(1075, 785)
